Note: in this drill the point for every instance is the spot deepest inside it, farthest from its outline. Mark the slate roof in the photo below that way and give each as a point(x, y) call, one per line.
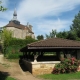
point(53, 43)
point(19, 26)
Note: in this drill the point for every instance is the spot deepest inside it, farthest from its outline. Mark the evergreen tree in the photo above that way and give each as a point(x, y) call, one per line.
point(75, 27)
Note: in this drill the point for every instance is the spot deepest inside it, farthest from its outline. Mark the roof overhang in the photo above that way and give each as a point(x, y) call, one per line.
point(28, 49)
point(53, 44)
point(53, 47)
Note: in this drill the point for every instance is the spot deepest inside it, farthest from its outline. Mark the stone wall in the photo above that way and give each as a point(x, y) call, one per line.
point(79, 68)
point(38, 68)
point(20, 33)
point(17, 33)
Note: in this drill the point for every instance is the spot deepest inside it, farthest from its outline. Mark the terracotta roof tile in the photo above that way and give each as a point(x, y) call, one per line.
point(55, 42)
point(20, 26)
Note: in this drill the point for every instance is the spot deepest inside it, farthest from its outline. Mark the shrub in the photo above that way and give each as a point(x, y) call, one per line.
point(14, 47)
point(66, 66)
point(12, 56)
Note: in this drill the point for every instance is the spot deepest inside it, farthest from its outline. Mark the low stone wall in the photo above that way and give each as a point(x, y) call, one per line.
point(38, 68)
point(43, 67)
point(79, 68)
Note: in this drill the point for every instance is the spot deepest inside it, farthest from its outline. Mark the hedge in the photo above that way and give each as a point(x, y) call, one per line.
point(11, 50)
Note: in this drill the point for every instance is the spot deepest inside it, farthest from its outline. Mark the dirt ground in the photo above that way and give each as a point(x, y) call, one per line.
point(13, 69)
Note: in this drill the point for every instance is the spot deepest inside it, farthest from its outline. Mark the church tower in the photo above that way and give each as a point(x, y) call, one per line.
point(15, 14)
point(19, 30)
point(15, 17)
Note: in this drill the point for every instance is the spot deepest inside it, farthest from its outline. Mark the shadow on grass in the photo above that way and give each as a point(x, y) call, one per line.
point(3, 75)
point(23, 67)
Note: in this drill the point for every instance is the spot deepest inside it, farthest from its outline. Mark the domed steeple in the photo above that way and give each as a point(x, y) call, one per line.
point(15, 18)
point(15, 14)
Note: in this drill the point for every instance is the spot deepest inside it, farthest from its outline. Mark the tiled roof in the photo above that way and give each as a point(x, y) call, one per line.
point(55, 42)
point(20, 26)
point(52, 43)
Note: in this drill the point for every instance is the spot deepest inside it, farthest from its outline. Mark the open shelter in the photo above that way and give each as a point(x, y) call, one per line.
point(34, 53)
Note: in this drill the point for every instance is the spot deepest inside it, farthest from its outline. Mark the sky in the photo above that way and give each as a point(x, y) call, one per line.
point(43, 15)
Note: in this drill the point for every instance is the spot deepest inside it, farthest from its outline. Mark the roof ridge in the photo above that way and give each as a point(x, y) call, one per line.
point(70, 40)
point(35, 42)
point(40, 41)
point(30, 30)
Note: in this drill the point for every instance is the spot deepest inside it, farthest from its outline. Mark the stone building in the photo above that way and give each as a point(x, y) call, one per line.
point(19, 30)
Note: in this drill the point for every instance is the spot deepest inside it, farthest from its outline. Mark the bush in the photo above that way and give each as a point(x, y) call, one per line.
point(12, 52)
point(22, 42)
point(14, 46)
point(66, 66)
point(13, 56)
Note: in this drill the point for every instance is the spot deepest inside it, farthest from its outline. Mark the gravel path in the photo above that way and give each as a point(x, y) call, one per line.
point(15, 71)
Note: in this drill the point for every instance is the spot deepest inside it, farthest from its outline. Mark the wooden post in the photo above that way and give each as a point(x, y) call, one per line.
point(78, 54)
point(58, 55)
point(29, 56)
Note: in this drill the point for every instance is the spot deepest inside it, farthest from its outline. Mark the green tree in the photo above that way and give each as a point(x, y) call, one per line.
point(71, 35)
point(75, 27)
point(63, 34)
point(40, 37)
point(52, 34)
point(6, 36)
point(2, 8)
point(29, 39)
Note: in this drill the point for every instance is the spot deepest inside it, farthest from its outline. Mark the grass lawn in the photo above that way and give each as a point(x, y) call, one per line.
point(70, 76)
point(4, 77)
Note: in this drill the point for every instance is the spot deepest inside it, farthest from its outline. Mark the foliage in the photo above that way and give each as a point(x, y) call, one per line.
point(66, 66)
point(2, 8)
point(13, 56)
point(12, 50)
point(21, 42)
point(52, 34)
point(29, 40)
point(11, 46)
point(70, 76)
point(15, 41)
point(63, 34)
point(40, 37)
point(75, 27)
point(71, 35)
point(6, 37)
